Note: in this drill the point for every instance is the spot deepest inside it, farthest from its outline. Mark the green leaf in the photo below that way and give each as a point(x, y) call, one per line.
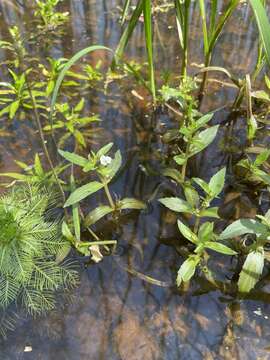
point(202, 184)
point(191, 195)
point(97, 214)
point(241, 227)
point(67, 233)
point(64, 71)
point(262, 157)
point(210, 212)
point(220, 248)
point(13, 108)
point(204, 120)
point(203, 139)
point(73, 158)
point(187, 269)
point(80, 105)
point(82, 192)
point(187, 233)
point(180, 159)
point(263, 25)
point(173, 173)
point(104, 150)
point(216, 183)
point(130, 203)
point(252, 270)
point(176, 204)
point(75, 212)
point(38, 166)
point(206, 231)
point(111, 170)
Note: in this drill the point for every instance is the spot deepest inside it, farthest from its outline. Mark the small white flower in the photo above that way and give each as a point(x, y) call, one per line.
point(105, 160)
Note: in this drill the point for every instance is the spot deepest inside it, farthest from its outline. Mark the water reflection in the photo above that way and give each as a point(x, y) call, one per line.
point(116, 315)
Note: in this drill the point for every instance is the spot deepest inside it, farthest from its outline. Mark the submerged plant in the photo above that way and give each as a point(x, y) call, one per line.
point(31, 251)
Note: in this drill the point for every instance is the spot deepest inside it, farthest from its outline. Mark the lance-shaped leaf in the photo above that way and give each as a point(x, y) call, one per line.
point(216, 183)
point(210, 212)
point(203, 139)
point(187, 269)
point(73, 158)
point(176, 204)
point(104, 150)
point(82, 192)
point(252, 270)
point(220, 248)
point(97, 214)
point(241, 227)
point(130, 203)
point(187, 233)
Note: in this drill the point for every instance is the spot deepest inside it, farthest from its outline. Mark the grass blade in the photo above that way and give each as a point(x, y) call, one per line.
point(127, 33)
point(149, 44)
point(125, 11)
point(263, 25)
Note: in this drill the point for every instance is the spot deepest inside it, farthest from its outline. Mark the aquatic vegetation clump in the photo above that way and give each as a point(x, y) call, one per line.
point(31, 250)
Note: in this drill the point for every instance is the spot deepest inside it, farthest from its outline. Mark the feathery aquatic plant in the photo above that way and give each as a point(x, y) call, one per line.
point(30, 248)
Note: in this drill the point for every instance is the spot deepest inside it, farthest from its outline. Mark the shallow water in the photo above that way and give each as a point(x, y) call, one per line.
point(115, 315)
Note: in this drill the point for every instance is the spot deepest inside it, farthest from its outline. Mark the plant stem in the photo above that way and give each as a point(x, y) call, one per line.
point(42, 138)
point(196, 225)
point(108, 194)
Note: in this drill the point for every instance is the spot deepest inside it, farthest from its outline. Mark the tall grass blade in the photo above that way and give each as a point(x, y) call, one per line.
point(125, 11)
point(263, 25)
point(128, 32)
point(213, 15)
point(149, 44)
point(204, 26)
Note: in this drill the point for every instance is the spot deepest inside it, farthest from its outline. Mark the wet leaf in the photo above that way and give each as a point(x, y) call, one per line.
point(210, 212)
point(73, 158)
point(203, 139)
point(241, 227)
point(252, 270)
point(217, 181)
point(187, 269)
point(82, 192)
point(97, 214)
point(220, 248)
point(176, 204)
point(130, 203)
point(187, 233)
point(104, 150)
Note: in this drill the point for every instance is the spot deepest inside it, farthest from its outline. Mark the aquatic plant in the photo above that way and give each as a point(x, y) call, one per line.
point(105, 168)
point(51, 18)
point(73, 124)
point(31, 251)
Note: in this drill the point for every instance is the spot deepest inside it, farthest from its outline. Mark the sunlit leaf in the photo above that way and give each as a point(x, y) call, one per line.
point(251, 271)
point(220, 248)
point(82, 192)
point(176, 204)
point(187, 233)
point(187, 269)
point(241, 227)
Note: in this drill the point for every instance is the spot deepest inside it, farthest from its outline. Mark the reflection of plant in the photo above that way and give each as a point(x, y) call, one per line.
point(31, 249)
point(73, 123)
point(48, 14)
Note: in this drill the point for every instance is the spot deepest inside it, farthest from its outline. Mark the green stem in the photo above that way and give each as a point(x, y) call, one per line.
point(108, 194)
point(196, 225)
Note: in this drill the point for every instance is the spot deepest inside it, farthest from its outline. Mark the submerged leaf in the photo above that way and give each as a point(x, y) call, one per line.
point(187, 269)
point(252, 270)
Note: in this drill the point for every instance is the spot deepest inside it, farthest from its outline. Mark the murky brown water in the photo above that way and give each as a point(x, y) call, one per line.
point(115, 315)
